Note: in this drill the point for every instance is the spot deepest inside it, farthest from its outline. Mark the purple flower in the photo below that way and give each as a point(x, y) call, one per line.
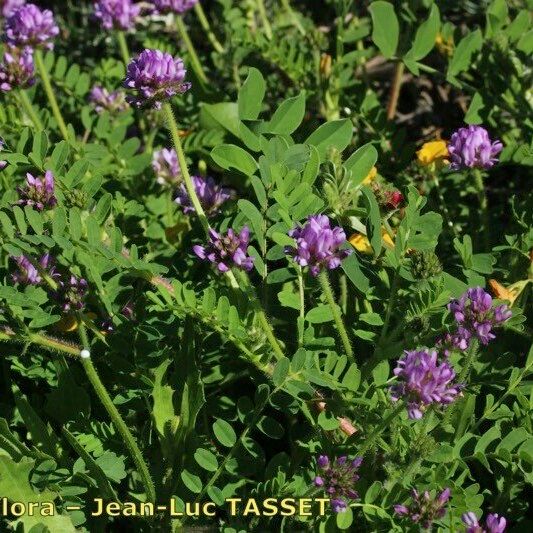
point(16, 70)
point(8, 6)
point(116, 14)
point(70, 293)
point(476, 316)
point(459, 340)
point(210, 194)
point(337, 478)
point(156, 76)
point(31, 26)
point(423, 381)
point(174, 6)
point(3, 164)
point(166, 166)
point(471, 147)
point(39, 192)
point(424, 509)
point(103, 100)
point(28, 274)
point(493, 523)
point(317, 244)
point(227, 250)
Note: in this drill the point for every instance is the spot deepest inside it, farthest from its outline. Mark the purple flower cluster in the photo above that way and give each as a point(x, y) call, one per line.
point(210, 194)
point(338, 479)
point(493, 524)
point(166, 166)
point(317, 244)
point(116, 14)
point(31, 26)
point(28, 274)
point(476, 317)
point(103, 100)
point(424, 509)
point(174, 6)
point(8, 6)
point(16, 69)
point(227, 250)
point(156, 76)
point(70, 293)
point(424, 381)
point(471, 147)
point(3, 164)
point(39, 193)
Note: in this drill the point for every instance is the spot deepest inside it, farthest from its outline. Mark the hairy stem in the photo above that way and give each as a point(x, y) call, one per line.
point(30, 111)
point(123, 45)
point(483, 203)
point(301, 292)
point(443, 205)
point(330, 298)
point(45, 78)
point(378, 430)
point(115, 416)
point(292, 15)
point(264, 19)
point(195, 61)
point(200, 13)
point(390, 307)
point(174, 132)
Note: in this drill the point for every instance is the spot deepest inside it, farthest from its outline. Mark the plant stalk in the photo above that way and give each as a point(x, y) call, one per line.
point(378, 430)
point(200, 13)
point(394, 94)
point(195, 61)
point(115, 416)
point(444, 207)
point(264, 19)
point(45, 78)
point(483, 203)
point(330, 298)
point(123, 45)
point(30, 111)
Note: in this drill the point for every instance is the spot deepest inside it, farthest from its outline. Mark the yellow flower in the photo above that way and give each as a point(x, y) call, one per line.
point(69, 322)
point(444, 46)
point(371, 176)
point(361, 243)
point(432, 152)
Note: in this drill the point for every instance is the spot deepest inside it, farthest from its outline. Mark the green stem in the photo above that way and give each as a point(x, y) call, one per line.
point(30, 111)
point(200, 13)
point(330, 298)
point(301, 291)
point(45, 78)
point(264, 19)
point(378, 430)
point(483, 203)
point(195, 61)
point(173, 127)
point(118, 422)
point(294, 18)
point(123, 45)
point(390, 306)
point(444, 207)
point(395, 90)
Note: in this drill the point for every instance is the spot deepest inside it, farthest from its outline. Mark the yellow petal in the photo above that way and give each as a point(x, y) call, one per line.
point(361, 243)
point(371, 176)
point(432, 151)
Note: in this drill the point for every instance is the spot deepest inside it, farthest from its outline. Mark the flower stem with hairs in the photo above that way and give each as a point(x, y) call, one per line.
point(29, 110)
point(193, 56)
point(378, 430)
point(330, 298)
point(123, 45)
point(45, 78)
point(483, 203)
point(200, 13)
point(115, 416)
point(264, 19)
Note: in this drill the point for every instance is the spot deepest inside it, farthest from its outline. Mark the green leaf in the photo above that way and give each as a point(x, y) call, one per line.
point(335, 134)
point(230, 156)
point(360, 163)
point(281, 370)
point(385, 27)
point(15, 486)
point(287, 298)
point(476, 105)
point(352, 268)
point(191, 481)
point(35, 220)
point(319, 315)
point(254, 216)
point(224, 433)
point(206, 459)
point(60, 156)
point(425, 35)
point(162, 395)
point(287, 117)
point(251, 94)
point(374, 220)
point(462, 57)
point(222, 115)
